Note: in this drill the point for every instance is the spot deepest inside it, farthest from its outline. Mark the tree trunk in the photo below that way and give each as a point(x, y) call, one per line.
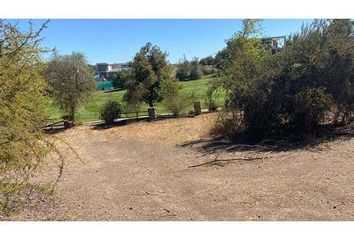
point(151, 113)
point(72, 114)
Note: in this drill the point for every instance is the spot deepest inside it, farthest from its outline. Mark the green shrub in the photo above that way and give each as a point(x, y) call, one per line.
point(210, 97)
point(212, 94)
point(292, 89)
point(110, 111)
point(310, 108)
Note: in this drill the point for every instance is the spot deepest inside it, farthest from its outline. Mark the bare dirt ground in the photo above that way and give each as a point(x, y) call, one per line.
point(142, 172)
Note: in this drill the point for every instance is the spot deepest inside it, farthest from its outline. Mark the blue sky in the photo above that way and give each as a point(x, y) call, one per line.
point(103, 40)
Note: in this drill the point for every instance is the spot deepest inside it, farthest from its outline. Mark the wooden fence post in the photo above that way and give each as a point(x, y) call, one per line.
point(197, 108)
point(66, 122)
point(152, 113)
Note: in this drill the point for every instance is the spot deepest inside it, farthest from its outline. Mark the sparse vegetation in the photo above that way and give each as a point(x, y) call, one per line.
point(267, 93)
point(175, 99)
point(23, 146)
point(189, 70)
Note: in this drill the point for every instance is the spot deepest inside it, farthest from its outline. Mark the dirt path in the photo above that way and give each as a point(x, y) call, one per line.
point(140, 172)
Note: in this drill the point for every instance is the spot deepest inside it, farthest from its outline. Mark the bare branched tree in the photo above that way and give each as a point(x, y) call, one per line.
point(23, 100)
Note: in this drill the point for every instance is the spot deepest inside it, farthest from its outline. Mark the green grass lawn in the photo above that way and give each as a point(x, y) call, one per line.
point(91, 110)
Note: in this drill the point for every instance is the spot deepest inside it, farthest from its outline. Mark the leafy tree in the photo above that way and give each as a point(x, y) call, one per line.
point(120, 78)
point(71, 81)
point(149, 69)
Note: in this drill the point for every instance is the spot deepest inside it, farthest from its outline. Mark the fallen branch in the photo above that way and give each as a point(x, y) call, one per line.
point(220, 161)
point(168, 215)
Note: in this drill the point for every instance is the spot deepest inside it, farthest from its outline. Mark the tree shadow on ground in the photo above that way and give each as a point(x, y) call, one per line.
point(122, 122)
point(52, 131)
point(242, 143)
point(127, 121)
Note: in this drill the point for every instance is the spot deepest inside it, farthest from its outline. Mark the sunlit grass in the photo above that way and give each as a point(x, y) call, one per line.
point(91, 110)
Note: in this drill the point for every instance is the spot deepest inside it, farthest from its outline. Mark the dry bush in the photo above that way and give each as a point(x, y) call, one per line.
point(227, 124)
point(23, 101)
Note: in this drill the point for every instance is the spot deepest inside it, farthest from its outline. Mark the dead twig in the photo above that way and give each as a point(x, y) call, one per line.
point(217, 161)
point(168, 215)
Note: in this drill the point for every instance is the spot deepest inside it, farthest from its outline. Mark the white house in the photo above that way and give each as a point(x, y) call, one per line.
point(105, 71)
